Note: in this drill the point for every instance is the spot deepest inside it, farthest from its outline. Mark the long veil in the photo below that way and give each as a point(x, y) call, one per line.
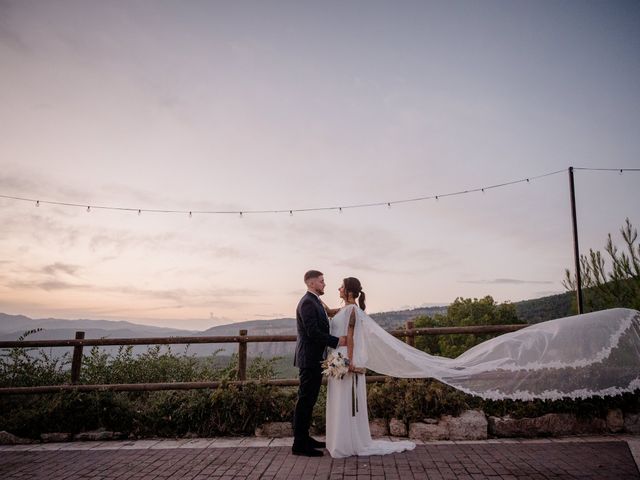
point(593, 354)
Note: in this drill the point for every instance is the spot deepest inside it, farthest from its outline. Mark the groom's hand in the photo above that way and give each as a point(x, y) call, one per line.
point(342, 342)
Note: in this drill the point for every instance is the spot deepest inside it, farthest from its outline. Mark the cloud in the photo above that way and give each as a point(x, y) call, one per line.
point(40, 228)
point(47, 285)
point(403, 260)
point(176, 298)
point(9, 33)
point(16, 184)
point(58, 267)
point(361, 264)
point(119, 241)
point(507, 281)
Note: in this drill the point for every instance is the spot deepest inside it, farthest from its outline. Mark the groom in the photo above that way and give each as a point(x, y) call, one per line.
point(311, 348)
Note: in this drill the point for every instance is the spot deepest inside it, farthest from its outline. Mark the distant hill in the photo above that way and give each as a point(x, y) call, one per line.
point(546, 308)
point(14, 323)
point(12, 326)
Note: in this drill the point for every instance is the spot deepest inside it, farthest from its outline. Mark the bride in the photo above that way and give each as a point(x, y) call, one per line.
point(347, 424)
point(594, 354)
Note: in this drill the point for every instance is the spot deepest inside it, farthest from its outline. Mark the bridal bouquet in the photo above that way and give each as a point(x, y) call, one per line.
point(336, 365)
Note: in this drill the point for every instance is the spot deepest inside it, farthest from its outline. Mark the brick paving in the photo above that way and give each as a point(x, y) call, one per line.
point(226, 459)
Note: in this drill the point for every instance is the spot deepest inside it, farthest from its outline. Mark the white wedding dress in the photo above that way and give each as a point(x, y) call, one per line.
point(347, 419)
point(594, 354)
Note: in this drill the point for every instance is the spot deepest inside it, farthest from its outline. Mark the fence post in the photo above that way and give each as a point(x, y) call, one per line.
point(242, 357)
point(410, 339)
point(76, 363)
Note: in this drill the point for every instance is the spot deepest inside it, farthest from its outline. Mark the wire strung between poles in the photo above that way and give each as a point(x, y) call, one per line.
point(291, 211)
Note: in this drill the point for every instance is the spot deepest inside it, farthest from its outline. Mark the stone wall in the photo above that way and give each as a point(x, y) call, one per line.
point(470, 425)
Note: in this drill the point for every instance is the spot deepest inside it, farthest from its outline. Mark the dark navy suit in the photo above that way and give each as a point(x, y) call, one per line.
point(311, 348)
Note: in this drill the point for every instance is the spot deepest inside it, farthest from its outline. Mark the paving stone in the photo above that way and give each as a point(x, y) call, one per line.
point(589, 458)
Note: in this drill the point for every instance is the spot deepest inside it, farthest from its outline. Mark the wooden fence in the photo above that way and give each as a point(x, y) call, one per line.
point(242, 339)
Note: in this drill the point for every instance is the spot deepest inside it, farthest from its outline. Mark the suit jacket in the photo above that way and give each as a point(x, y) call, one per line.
point(313, 333)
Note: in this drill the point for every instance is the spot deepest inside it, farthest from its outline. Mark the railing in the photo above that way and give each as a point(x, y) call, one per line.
point(408, 333)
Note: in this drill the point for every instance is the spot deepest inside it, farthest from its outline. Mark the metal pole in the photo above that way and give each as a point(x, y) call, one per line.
point(576, 249)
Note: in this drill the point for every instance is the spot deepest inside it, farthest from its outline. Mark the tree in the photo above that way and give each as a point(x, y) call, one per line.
point(617, 287)
point(464, 312)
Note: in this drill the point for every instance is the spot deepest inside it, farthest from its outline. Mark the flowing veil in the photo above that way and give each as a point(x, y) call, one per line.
point(594, 354)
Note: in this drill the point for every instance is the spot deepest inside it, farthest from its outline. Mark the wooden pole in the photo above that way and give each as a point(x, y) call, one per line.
point(242, 356)
point(76, 363)
point(410, 339)
point(576, 248)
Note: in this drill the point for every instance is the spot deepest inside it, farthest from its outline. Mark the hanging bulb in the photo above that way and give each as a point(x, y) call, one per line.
point(388, 204)
point(436, 197)
point(88, 209)
point(37, 203)
point(482, 190)
point(139, 212)
point(240, 214)
point(527, 180)
point(291, 213)
point(620, 171)
point(340, 210)
point(190, 214)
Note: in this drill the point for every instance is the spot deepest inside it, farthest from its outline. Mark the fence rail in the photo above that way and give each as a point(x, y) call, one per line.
point(408, 333)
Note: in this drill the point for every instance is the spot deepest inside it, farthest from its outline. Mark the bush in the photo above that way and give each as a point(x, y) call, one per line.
point(461, 313)
point(228, 410)
point(27, 367)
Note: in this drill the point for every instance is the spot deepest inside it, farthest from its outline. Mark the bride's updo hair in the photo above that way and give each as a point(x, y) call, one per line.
point(352, 285)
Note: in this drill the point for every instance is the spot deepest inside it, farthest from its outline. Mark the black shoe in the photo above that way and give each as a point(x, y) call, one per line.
point(307, 452)
point(313, 443)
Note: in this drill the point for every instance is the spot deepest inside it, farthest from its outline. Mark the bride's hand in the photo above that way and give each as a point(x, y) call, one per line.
point(330, 311)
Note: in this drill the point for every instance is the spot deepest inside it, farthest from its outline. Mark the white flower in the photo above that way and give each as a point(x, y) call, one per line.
point(336, 365)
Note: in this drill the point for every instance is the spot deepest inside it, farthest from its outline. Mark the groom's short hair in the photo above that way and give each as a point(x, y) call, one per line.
point(312, 274)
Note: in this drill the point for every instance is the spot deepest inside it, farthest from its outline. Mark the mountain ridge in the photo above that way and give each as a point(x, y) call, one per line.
point(531, 311)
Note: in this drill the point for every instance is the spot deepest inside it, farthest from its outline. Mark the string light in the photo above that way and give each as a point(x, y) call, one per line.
point(314, 209)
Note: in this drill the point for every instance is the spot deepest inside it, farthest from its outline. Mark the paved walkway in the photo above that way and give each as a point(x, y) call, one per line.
point(599, 457)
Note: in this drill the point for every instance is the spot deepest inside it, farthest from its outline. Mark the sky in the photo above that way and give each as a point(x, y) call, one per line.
point(289, 105)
